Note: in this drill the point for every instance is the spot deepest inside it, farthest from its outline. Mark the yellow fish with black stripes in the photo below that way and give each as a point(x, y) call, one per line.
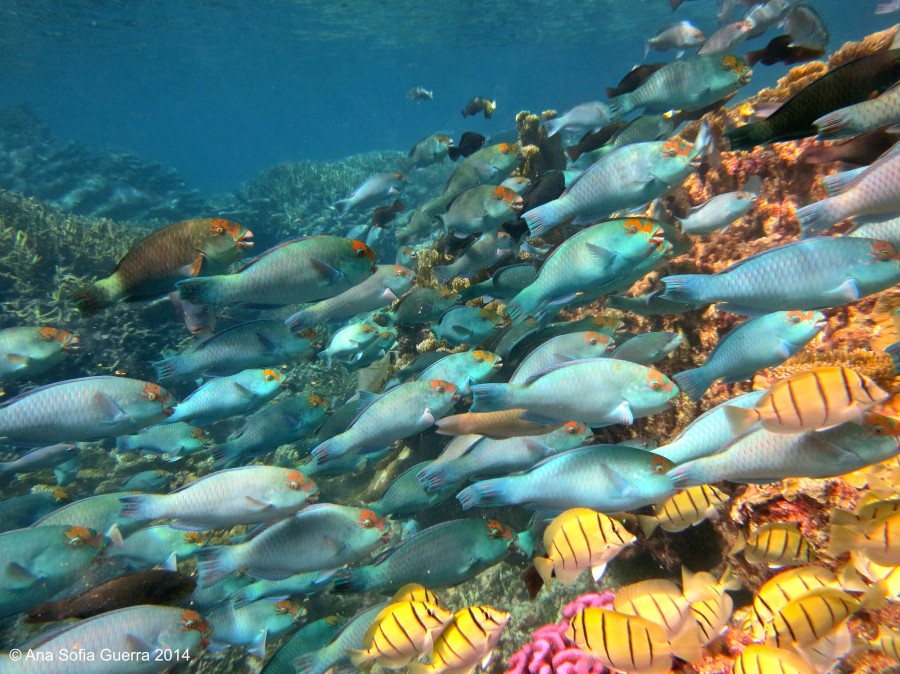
point(783, 588)
point(580, 539)
point(415, 592)
point(401, 632)
point(811, 400)
point(814, 616)
point(469, 639)
point(879, 540)
point(886, 641)
point(711, 605)
point(757, 659)
point(776, 544)
point(628, 643)
point(687, 508)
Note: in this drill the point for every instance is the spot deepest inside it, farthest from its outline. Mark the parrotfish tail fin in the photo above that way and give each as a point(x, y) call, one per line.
point(747, 137)
point(90, 299)
point(343, 207)
point(544, 568)
point(491, 398)
point(694, 383)
point(167, 367)
point(648, 523)
point(300, 321)
point(814, 219)
point(214, 563)
point(842, 539)
point(352, 581)
point(328, 450)
point(141, 507)
point(894, 352)
point(542, 219)
point(552, 126)
point(242, 597)
point(683, 288)
point(834, 125)
point(686, 475)
point(200, 290)
point(619, 107)
point(443, 274)
point(434, 477)
point(740, 419)
point(485, 494)
point(311, 663)
point(223, 455)
point(838, 183)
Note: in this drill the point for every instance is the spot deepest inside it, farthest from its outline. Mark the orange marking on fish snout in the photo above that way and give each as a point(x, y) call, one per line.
point(497, 530)
point(368, 519)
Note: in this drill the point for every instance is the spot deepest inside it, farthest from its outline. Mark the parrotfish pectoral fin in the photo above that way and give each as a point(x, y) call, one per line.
point(197, 264)
point(21, 361)
point(258, 647)
point(602, 254)
point(620, 485)
point(849, 290)
point(331, 274)
point(622, 414)
point(135, 644)
point(538, 418)
point(427, 416)
point(256, 504)
point(20, 576)
point(108, 408)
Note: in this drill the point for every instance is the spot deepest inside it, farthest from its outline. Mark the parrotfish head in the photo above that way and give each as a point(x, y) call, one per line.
point(442, 387)
point(598, 339)
point(659, 465)
point(156, 393)
point(78, 537)
point(882, 424)
point(444, 139)
point(884, 251)
point(738, 66)
point(191, 620)
point(369, 520)
point(291, 608)
point(67, 341)
point(297, 481)
point(361, 250)
point(497, 530)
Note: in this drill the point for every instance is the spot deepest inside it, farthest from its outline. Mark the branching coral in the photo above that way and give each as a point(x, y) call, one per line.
point(541, 153)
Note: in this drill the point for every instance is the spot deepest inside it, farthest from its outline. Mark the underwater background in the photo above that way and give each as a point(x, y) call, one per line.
point(118, 119)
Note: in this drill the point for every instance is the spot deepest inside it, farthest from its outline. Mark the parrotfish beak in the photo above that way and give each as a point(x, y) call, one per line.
point(657, 240)
point(821, 323)
point(497, 363)
point(745, 78)
point(517, 204)
point(168, 411)
point(70, 345)
point(244, 243)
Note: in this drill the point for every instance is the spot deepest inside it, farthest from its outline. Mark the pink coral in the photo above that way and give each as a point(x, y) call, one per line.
point(550, 651)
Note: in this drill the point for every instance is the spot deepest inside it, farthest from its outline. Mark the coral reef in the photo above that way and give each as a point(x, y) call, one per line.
point(551, 651)
point(541, 153)
point(74, 178)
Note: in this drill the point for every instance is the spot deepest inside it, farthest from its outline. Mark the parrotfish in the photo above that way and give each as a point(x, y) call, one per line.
point(300, 584)
point(648, 348)
point(763, 456)
point(253, 624)
point(304, 269)
point(153, 265)
point(19, 512)
point(886, 230)
point(443, 555)
point(422, 305)
point(38, 563)
point(482, 208)
point(574, 345)
point(870, 191)
point(281, 423)
point(489, 165)
point(861, 117)
point(350, 637)
point(240, 393)
point(598, 391)
point(486, 251)
point(594, 257)
point(39, 459)
point(591, 116)
point(383, 287)
point(643, 129)
point(817, 273)
point(625, 178)
point(432, 149)
point(90, 408)
point(347, 344)
point(263, 343)
point(608, 478)
point(850, 83)
point(717, 213)
point(727, 39)
point(806, 27)
point(765, 341)
point(99, 513)
point(466, 325)
point(154, 546)
point(149, 481)
point(505, 283)
point(138, 629)
point(226, 498)
point(177, 440)
point(405, 495)
point(26, 351)
point(401, 412)
point(320, 537)
point(680, 35)
point(687, 84)
point(488, 457)
point(373, 189)
point(499, 425)
point(463, 369)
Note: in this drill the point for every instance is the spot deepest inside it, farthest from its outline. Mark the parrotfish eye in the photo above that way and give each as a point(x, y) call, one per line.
point(571, 428)
point(632, 229)
point(655, 385)
point(795, 319)
point(149, 395)
point(439, 389)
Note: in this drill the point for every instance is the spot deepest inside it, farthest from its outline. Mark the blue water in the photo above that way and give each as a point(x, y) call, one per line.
point(222, 89)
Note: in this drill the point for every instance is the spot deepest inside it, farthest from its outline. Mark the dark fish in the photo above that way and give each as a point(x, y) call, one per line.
point(593, 140)
point(153, 265)
point(469, 143)
point(384, 214)
point(853, 82)
point(806, 27)
point(635, 78)
point(155, 587)
point(545, 189)
point(479, 104)
point(422, 305)
point(781, 50)
point(861, 150)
